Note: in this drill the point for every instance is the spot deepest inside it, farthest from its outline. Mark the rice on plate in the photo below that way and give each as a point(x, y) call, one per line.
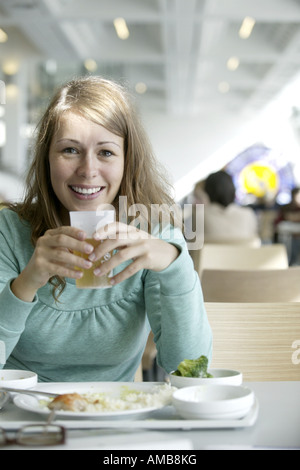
point(129, 399)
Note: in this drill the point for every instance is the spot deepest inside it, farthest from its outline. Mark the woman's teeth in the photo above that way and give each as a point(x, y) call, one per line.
point(85, 190)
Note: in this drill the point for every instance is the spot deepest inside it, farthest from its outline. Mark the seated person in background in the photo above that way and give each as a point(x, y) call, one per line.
point(291, 212)
point(225, 221)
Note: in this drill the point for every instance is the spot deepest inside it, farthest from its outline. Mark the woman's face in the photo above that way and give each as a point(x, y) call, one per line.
point(86, 164)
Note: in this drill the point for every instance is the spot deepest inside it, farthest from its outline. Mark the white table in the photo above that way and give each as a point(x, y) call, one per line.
point(277, 426)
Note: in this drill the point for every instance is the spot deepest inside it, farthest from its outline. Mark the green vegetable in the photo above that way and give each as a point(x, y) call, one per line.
point(194, 368)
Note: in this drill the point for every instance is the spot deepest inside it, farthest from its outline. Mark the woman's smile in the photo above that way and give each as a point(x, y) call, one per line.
point(87, 192)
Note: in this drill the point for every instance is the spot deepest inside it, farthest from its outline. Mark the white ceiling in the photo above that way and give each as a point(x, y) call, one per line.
point(178, 48)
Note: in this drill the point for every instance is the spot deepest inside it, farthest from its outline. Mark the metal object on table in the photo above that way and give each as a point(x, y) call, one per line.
point(4, 398)
point(28, 392)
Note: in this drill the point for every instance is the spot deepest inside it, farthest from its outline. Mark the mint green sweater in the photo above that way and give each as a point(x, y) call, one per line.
point(98, 335)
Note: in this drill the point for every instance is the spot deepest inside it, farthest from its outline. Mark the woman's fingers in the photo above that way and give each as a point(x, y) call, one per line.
point(128, 272)
point(67, 237)
point(118, 230)
point(65, 252)
point(143, 250)
point(62, 252)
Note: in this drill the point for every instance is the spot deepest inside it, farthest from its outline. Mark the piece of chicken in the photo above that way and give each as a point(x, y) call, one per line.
point(68, 402)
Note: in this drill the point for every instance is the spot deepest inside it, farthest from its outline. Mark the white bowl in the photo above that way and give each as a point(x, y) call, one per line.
point(220, 377)
point(213, 402)
point(23, 379)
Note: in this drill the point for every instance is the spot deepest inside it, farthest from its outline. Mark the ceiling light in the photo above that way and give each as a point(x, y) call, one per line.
point(90, 65)
point(233, 63)
point(224, 87)
point(10, 67)
point(51, 67)
point(3, 36)
point(247, 27)
point(121, 28)
point(12, 91)
point(141, 88)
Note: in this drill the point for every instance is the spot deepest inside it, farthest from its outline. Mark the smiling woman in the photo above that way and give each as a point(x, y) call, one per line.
point(92, 151)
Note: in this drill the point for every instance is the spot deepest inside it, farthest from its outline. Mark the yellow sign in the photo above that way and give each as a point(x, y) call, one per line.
point(260, 179)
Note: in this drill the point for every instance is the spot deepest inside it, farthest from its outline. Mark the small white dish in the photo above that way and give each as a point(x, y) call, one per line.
point(22, 379)
point(213, 402)
point(220, 377)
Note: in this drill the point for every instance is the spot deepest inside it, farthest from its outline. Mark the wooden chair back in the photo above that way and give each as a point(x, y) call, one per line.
point(260, 340)
point(242, 257)
point(251, 286)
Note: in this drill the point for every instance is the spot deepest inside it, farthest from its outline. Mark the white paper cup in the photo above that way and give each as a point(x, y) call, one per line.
point(90, 222)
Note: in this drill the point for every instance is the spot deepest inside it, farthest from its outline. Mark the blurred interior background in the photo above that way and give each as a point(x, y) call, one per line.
point(217, 83)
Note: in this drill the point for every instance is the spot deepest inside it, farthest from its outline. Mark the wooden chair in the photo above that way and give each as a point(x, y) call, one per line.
point(139, 374)
point(251, 286)
point(251, 243)
point(149, 355)
point(256, 339)
point(242, 257)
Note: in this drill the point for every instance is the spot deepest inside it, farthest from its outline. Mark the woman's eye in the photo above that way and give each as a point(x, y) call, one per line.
point(105, 153)
point(70, 150)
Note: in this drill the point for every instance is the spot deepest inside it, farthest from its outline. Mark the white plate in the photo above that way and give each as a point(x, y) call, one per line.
point(112, 389)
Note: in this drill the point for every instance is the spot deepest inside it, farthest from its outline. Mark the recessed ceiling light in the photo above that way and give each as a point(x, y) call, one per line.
point(247, 27)
point(12, 91)
point(233, 63)
point(224, 87)
point(121, 28)
point(141, 88)
point(90, 65)
point(10, 67)
point(51, 66)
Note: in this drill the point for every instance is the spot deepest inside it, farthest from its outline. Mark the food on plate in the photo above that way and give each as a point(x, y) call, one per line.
point(68, 402)
point(128, 399)
point(194, 368)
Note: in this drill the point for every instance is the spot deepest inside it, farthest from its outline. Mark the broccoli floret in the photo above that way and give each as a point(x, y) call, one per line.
point(193, 368)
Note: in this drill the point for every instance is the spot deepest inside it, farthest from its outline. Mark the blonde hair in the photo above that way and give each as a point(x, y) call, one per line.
point(106, 103)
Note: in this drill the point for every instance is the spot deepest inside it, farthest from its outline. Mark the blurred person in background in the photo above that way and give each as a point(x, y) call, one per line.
point(290, 213)
point(224, 220)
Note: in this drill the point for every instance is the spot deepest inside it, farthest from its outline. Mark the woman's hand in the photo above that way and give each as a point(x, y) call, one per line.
point(145, 251)
point(54, 255)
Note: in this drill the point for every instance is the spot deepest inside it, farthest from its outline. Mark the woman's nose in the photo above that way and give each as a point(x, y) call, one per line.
point(89, 167)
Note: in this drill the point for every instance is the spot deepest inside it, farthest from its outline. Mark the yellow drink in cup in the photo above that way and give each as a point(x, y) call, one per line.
point(89, 280)
point(90, 222)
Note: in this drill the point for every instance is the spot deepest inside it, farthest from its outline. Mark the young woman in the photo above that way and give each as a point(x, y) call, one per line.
point(91, 151)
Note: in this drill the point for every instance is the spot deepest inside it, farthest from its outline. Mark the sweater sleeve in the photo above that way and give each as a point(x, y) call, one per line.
point(176, 311)
point(13, 311)
point(13, 316)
